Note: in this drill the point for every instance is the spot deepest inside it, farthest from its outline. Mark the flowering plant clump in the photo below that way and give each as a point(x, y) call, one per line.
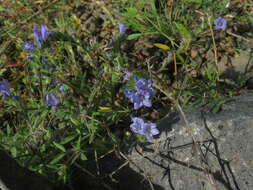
point(4, 88)
point(146, 129)
point(140, 97)
point(40, 35)
point(220, 23)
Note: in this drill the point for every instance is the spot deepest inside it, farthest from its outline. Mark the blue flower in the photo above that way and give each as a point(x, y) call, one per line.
point(140, 100)
point(128, 93)
point(52, 100)
point(62, 89)
point(41, 34)
point(137, 124)
point(29, 46)
point(146, 129)
point(144, 87)
point(4, 88)
point(142, 95)
point(122, 28)
point(44, 32)
point(220, 23)
point(149, 130)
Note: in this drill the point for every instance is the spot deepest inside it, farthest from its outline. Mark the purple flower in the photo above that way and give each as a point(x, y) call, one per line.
point(62, 89)
point(44, 32)
point(52, 100)
point(147, 129)
point(220, 23)
point(4, 88)
point(140, 100)
point(29, 46)
point(128, 93)
point(41, 33)
point(122, 28)
point(137, 124)
point(140, 97)
point(144, 87)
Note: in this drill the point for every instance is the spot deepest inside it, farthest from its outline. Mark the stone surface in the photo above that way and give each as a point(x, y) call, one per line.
point(241, 64)
point(173, 162)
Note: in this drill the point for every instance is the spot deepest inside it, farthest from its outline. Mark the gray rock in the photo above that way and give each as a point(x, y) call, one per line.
point(225, 140)
point(237, 67)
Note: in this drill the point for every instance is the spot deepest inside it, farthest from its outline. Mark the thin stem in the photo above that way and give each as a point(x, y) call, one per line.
point(214, 44)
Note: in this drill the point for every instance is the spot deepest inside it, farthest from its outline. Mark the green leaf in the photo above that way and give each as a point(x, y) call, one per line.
point(131, 12)
point(68, 139)
point(2, 8)
point(83, 157)
point(217, 106)
point(134, 36)
point(8, 130)
point(105, 109)
point(57, 158)
point(74, 159)
point(75, 121)
point(59, 146)
point(2, 70)
point(186, 37)
point(250, 18)
point(78, 143)
point(193, 1)
point(14, 151)
point(183, 31)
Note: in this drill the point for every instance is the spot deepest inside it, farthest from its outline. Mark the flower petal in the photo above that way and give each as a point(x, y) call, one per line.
point(44, 32)
point(147, 102)
point(155, 131)
point(37, 34)
point(122, 28)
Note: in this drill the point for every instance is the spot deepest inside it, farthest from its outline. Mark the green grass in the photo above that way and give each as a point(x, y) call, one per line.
point(93, 114)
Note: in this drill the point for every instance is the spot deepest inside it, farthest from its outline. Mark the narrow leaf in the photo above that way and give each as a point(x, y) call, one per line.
point(162, 46)
point(105, 109)
point(67, 139)
point(59, 146)
point(57, 158)
point(134, 36)
point(83, 157)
